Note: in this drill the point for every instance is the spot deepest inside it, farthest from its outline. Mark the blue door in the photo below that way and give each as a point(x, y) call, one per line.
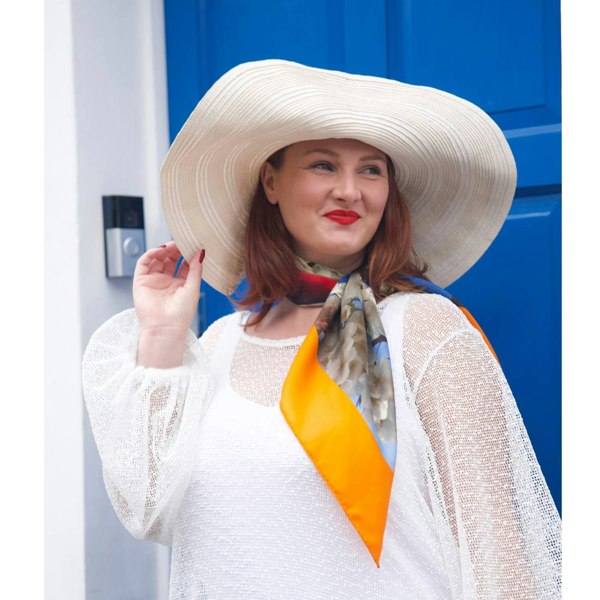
point(503, 55)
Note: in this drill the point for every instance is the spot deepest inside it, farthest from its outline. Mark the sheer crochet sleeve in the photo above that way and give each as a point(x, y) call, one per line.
point(144, 422)
point(490, 490)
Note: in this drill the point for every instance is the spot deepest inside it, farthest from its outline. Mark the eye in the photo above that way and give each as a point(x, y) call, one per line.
point(372, 170)
point(322, 166)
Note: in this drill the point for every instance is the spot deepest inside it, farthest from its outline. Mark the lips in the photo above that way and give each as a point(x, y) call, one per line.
point(343, 217)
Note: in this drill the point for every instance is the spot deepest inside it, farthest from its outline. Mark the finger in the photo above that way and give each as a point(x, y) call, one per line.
point(161, 252)
point(145, 266)
point(194, 276)
point(168, 250)
point(170, 265)
point(156, 266)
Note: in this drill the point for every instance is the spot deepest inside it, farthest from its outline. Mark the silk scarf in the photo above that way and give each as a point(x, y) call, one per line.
point(338, 396)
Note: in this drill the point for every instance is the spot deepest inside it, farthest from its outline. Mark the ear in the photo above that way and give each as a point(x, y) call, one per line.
point(268, 177)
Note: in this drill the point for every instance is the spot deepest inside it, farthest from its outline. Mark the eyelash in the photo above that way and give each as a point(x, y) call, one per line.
point(322, 164)
point(377, 170)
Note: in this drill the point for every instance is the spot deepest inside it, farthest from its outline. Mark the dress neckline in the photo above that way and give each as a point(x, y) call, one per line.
point(282, 342)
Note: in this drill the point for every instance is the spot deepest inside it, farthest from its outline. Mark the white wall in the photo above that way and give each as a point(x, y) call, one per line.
point(106, 133)
point(63, 440)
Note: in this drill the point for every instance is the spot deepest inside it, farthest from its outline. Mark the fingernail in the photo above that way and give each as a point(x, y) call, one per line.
point(201, 257)
point(163, 245)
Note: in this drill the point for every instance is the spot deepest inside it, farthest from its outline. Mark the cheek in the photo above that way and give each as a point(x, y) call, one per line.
point(377, 213)
point(300, 197)
point(294, 212)
point(379, 204)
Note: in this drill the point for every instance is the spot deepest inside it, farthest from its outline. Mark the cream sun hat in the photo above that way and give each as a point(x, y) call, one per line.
point(454, 167)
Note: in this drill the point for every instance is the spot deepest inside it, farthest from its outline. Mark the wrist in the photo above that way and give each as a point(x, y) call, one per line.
point(161, 349)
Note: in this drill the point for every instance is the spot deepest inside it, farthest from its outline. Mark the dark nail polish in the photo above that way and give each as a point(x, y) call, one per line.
point(201, 257)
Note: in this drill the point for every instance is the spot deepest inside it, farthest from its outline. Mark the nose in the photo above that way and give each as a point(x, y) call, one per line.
point(346, 188)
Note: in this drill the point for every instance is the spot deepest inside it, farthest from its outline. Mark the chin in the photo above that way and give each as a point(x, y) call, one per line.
point(342, 250)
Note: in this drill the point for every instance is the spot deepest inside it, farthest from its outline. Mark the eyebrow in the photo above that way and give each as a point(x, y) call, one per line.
point(380, 157)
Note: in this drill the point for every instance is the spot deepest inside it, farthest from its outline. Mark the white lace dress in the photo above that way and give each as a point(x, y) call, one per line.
point(200, 457)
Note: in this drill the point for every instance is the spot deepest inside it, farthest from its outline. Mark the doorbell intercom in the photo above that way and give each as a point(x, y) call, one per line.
point(124, 235)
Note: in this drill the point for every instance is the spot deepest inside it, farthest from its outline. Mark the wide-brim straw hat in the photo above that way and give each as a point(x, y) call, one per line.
point(453, 165)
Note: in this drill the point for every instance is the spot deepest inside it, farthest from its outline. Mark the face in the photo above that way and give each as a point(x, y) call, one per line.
point(331, 195)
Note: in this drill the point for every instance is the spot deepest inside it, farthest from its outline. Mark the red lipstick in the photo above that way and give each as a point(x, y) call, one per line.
point(343, 217)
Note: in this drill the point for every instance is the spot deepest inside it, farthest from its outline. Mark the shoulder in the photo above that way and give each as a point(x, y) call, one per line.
point(424, 312)
point(424, 323)
point(433, 311)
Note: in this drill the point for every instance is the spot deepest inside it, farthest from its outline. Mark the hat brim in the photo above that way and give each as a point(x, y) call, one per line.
point(453, 165)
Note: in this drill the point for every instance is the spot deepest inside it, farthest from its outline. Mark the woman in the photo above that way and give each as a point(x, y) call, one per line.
point(349, 434)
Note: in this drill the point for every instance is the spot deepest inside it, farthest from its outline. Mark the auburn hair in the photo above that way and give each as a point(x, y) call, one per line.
point(270, 262)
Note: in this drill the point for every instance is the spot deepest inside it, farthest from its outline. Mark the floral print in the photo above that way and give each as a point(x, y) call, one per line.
point(353, 351)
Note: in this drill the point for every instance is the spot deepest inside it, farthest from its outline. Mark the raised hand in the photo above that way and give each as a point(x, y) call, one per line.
point(165, 305)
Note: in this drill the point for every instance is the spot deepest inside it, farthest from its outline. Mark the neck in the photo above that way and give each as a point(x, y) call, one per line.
point(285, 320)
point(343, 264)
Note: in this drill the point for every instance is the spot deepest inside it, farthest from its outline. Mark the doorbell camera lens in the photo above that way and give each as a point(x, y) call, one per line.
point(131, 218)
